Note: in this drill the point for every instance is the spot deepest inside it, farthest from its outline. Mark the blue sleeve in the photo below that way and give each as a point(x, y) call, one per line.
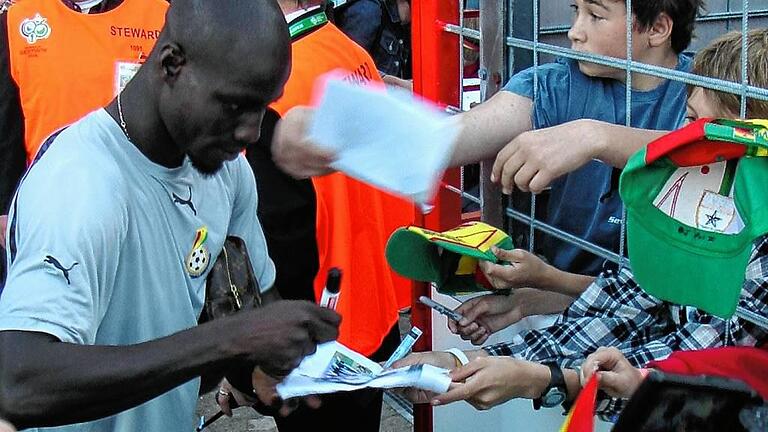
point(551, 99)
point(245, 224)
point(67, 233)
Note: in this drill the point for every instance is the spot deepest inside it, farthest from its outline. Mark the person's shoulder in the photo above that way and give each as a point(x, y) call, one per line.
point(556, 75)
point(78, 158)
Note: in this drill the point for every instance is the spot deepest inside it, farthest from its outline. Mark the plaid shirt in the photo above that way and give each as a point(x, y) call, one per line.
point(615, 311)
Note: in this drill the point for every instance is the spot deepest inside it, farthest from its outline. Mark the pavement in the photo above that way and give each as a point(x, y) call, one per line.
point(394, 417)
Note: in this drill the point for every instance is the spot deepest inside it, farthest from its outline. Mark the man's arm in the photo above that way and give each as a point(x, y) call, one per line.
point(13, 155)
point(46, 382)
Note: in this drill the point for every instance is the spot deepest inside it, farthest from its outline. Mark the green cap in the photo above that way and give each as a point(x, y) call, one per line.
point(449, 258)
point(696, 200)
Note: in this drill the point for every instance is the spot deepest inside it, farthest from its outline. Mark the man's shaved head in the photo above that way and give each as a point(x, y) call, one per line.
point(214, 69)
point(227, 30)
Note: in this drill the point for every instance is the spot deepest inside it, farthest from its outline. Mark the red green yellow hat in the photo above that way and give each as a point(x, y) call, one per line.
point(448, 258)
point(696, 200)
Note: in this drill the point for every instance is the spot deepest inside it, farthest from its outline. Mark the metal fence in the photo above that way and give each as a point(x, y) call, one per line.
point(517, 34)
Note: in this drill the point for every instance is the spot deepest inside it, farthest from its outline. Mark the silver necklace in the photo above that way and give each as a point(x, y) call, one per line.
point(120, 115)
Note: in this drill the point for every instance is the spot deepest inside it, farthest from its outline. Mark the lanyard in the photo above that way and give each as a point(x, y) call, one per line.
point(307, 24)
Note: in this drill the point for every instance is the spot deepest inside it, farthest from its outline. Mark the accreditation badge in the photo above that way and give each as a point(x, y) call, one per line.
point(124, 71)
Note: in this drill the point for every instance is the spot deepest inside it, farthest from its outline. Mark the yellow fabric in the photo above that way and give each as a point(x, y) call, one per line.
point(475, 235)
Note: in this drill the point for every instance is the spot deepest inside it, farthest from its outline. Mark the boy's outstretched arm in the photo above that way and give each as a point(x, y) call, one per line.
point(488, 127)
point(534, 159)
point(485, 130)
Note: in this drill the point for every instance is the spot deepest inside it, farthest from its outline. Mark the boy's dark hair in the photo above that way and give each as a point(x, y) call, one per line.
point(682, 12)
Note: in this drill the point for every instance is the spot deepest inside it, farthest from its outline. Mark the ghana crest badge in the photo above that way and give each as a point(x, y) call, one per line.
point(199, 257)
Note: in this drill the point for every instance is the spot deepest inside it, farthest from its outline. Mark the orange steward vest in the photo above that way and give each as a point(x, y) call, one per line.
point(66, 64)
point(354, 220)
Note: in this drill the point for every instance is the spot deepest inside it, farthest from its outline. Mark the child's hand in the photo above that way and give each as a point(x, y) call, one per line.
point(524, 269)
point(615, 375)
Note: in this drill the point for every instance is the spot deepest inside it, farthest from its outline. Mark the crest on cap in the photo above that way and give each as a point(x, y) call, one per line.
point(695, 204)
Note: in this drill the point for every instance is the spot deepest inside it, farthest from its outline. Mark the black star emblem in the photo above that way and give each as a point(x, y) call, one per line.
point(712, 219)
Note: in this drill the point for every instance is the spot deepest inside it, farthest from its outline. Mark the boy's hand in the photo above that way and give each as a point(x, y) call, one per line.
point(489, 381)
point(6, 427)
point(486, 315)
point(524, 269)
point(534, 159)
point(293, 152)
point(441, 359)
point(615, 375)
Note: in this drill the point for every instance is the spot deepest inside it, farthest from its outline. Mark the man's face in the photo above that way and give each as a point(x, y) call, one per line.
point(701, 105)
point(600, 27)
point(214, 112)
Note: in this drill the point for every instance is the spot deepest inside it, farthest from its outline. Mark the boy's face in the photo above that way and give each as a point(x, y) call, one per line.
point(701, 104)
point(600, 27)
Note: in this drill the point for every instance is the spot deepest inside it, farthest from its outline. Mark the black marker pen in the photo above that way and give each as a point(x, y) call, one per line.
point(332, 289)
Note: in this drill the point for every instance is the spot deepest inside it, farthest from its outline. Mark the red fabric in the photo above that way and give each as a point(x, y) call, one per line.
point(582, 415)
point(689, 147)
point(744, 363)
point(674, 140)
point(354, 220)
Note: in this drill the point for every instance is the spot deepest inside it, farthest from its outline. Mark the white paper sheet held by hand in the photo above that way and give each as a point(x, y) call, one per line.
point(335, 367)
point(388, 139)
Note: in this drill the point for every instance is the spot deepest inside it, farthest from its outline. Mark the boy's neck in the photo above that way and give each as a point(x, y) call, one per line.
point(643, 82)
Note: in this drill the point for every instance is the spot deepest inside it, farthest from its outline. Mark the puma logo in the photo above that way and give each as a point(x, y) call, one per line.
point(54, 262)
point(187, 202)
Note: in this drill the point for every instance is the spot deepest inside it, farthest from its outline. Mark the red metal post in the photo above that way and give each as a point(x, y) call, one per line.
point(436, 63)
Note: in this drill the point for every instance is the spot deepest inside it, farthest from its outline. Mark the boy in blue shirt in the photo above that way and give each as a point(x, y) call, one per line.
point(557, 136)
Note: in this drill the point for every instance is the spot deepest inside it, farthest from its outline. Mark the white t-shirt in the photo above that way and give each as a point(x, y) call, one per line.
point(109, 248)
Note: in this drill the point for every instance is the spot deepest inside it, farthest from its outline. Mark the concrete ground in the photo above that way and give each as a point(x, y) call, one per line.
point(248, 420)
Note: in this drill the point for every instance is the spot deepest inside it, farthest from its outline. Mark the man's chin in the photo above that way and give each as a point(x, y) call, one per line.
point(206, 167)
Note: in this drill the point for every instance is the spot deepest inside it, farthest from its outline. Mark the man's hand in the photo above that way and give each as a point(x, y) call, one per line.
point(279, 335)
point(534, 159)
point(3, 226)
point(524, 269)
point(226, 394)
point(265, 388)
point(486, 315)
point(293, 152)
point(615, 375)
point(489, 381)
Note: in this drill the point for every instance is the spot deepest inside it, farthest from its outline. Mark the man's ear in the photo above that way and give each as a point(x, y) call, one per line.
point(660, 32)
point(172, 59)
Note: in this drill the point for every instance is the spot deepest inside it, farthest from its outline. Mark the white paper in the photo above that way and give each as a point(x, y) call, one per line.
point(335, 367)
point(390, 139)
